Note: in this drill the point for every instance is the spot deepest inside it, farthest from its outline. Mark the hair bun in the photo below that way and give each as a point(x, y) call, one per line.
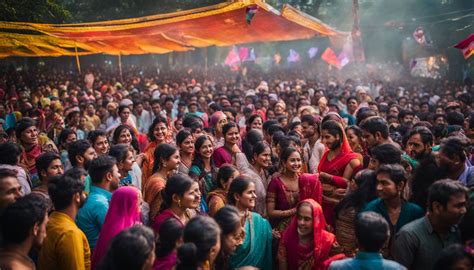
point(187, 254)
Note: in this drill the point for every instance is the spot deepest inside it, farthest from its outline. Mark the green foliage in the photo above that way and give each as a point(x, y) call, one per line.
point(45, 11)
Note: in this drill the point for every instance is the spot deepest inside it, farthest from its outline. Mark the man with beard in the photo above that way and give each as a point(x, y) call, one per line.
point(66, 246)
point(313, 149)
point(420, 141)
point(452, 158)
point(419, 243)
point(23, 227)
point(80, 154)
point(105, 178)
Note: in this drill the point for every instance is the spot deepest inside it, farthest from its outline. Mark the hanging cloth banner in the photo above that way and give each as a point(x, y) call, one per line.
point(331, 58)
point(466, 46)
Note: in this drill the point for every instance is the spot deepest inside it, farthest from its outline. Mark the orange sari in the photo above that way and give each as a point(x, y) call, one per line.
point(152, 194)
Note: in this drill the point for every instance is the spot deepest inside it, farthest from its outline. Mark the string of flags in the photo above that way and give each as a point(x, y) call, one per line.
point(237, 56)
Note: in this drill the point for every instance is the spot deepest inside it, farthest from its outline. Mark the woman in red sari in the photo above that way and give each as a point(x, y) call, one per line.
point(337, 165)
point(157, 134)
point(306, 244)
point(288, 189)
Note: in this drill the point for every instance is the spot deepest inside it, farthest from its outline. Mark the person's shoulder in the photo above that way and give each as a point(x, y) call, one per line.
point(392, 265)
point(372, 205)
point(413, 226)
point(342, 264)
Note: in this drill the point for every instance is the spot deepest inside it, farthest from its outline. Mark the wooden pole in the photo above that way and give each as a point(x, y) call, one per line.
point(78, 63)
point(120, 67)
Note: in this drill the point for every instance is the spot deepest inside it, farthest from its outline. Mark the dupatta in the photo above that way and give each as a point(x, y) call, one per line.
point(256, 250)
point(123, 213)
point(322, 240)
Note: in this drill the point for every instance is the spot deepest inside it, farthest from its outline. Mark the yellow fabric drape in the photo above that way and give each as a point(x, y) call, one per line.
point(221, 25)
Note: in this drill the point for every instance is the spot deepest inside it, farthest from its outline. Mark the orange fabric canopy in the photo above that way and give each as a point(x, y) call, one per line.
point(221, 25)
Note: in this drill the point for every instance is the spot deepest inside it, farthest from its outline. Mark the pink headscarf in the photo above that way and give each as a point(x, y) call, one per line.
point(123, 213)
point(215, 118)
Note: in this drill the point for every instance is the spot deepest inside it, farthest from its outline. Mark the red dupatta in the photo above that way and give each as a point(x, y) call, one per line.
point(322, 240)
point(310, 187)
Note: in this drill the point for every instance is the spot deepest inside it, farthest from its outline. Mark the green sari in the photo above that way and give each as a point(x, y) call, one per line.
point(256, 249)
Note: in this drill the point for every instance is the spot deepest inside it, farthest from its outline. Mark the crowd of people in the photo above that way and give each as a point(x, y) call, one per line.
point(301, 168)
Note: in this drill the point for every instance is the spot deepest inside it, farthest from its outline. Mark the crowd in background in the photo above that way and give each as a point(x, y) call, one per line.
point(292, 168)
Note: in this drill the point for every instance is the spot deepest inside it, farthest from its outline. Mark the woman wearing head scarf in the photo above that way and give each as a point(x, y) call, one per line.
point(306, 244)
point(123, 213)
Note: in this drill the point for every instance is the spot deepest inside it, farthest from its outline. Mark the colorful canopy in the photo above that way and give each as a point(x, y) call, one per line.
point(222, 25)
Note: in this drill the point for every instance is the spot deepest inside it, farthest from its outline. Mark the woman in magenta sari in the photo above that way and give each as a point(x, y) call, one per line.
point(288, 189)
point(226, 154)
point(306, 244)
point(337, 165)
point(123, 213)
point(181, 196)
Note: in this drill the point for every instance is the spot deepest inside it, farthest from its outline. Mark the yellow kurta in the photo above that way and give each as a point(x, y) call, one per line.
point(65, 246)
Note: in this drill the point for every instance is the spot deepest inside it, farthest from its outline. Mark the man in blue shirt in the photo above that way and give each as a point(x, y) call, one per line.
point(105, 178)
point(372, 231)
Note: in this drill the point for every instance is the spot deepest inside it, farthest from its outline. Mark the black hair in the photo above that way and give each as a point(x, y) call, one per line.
point(467, 223)
point(228, 219)
point(119, 152)
point(199, 236)
point(311, 120)
point(100, 167)
point(22, 125)
point(123, 107)
point(170, 232)
point(357, 131)
point(286, 141)
point(197, 160)
point(371, 230)
point(76, 172)
point(440, 130)
point(258, 148)
point(404, 113)
point(387, 154)
point(268, 124)
point(138, 238)
point(9, 153)
point(189, 121)
point(286, 153)
point(64, 135)
point(274, 129)
point(182, 135)
point(224, 174)
point(93, 135)
point(158, 119)
point(395, 172)
point(364, 113)
point(450, 255)
point(375, 124)
point(238, 186)
point(425, 134)
point(442, 190)
point(251, 119)
point(227, 127)
point(163, 152)
point(77, 148)
point(61, 190)
point(366, 192)
point(251, 139)
point(334, 128)
point(20, 217)
point(177, 184)
point(116, 136)
point(44, 160)
point(455, 118)
point(455, 146)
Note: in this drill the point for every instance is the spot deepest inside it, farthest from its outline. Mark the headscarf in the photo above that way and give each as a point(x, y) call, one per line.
point(322, 239)
point(123, 213)
point(215, 118)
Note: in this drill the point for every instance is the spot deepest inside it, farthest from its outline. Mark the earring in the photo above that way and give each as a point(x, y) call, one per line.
point(164, 165)
point(179, 203)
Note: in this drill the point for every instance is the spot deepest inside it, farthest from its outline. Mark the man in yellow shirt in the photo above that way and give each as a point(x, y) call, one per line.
point(65, 246)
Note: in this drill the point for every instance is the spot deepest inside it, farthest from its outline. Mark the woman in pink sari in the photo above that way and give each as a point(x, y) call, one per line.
point(226, 154)
point(337, 165)
point(306, 244)
point(123, 213)
point(289, 188)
